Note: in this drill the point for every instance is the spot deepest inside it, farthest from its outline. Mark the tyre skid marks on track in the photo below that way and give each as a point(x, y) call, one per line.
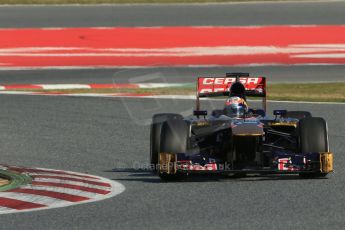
point(55, 188)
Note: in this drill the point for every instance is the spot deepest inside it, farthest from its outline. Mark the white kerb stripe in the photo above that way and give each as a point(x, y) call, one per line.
point(72, 183)
point(67, 176)
point(66, 86)
point(328, 55)
point(63, 190)
point(5, 209)
point(159, 85)
point(57, 172)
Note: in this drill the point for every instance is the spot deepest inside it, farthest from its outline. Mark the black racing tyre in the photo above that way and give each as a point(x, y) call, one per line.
point(313, 137)
point(174, 139)
point(156, 126)
point(298, 114)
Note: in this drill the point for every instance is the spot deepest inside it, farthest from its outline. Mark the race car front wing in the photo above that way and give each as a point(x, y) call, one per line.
point(281, 163)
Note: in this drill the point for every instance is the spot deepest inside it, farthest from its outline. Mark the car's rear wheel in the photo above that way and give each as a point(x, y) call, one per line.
point(155, 135)
point(174, 139)
point(313, 137)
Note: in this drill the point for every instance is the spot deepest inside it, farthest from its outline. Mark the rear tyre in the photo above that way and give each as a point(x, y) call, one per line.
point(155, 135)
point(298, 114)
point(313, 137)
point(174, 139)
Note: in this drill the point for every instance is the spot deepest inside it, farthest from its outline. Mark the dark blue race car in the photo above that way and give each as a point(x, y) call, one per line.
point(237, 139)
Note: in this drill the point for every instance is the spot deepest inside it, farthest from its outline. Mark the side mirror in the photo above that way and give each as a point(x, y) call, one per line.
point(200, 112)
point(279, 112)
point(259, 112)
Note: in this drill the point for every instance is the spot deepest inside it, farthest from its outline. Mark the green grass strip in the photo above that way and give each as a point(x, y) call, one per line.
point(314, 92)
point(16, 180)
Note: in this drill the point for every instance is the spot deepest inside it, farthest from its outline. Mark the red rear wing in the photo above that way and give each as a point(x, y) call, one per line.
point(219, 86)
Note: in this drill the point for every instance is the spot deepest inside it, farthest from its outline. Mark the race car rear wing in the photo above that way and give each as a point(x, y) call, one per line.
point(219, 86)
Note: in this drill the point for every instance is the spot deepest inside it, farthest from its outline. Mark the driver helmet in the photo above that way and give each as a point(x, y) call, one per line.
point(235, 107)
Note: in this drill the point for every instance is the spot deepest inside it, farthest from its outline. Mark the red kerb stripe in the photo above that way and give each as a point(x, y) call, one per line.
point(18, 204)
point(22, 87)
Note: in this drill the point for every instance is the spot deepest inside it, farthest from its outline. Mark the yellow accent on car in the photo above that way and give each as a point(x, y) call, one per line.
point(248, 134)
point(326, 162)
point(167, 163)
point(202, 123)
point(284, 123)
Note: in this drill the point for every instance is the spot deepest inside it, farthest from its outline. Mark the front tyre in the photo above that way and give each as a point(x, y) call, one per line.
point(155, 135)
point(174, 139)
point(313, 137)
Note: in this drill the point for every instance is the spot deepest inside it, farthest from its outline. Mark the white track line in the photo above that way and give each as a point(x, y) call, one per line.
point(91, 86)
point(65, 86)
point(191, 51)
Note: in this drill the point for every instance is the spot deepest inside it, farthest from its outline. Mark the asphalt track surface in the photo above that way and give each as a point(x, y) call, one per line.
point(109, 137)
point(298, 13)
point(276, 74)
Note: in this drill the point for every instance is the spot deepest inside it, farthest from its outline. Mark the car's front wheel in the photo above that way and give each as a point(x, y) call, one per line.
point(174, 139)
point(155, 135)
point(313, 137)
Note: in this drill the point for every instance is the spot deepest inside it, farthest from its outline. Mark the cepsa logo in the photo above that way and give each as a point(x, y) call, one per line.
point(222, 84)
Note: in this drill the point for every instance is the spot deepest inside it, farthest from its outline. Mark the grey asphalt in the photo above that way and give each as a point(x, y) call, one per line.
point(297, 13)
point(110, 138)
point(275, 74)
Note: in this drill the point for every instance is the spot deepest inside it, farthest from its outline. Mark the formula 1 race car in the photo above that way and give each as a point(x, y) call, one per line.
point(237, 139)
